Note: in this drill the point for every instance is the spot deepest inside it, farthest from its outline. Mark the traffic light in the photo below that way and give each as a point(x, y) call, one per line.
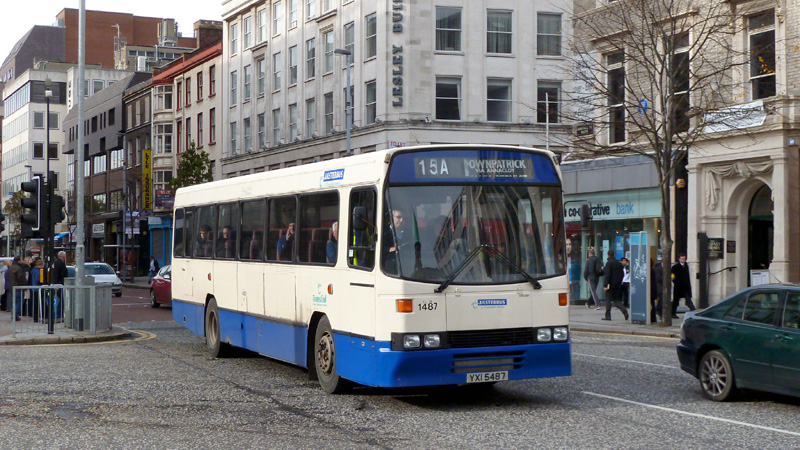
point(32, 225)
point(57, 205)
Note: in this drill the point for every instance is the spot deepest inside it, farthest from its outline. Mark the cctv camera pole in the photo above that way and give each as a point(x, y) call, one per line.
point(48, 237)
point(80, 257)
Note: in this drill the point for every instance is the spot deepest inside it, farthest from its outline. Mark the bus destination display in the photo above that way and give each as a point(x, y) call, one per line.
point(476, 168)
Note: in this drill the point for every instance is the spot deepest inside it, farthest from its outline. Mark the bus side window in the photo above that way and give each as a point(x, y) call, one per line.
point(177, 250)
point(361, 237)
point(188, 234)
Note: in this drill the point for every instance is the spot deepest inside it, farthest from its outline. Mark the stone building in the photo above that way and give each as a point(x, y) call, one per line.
point(421, 72)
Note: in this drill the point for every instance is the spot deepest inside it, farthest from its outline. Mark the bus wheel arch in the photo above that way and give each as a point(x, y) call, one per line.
point(311, 344)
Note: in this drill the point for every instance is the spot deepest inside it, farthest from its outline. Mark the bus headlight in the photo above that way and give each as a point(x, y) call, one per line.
point(411, 341)
point(432, 341)
point(544, 335)
point(560, 333)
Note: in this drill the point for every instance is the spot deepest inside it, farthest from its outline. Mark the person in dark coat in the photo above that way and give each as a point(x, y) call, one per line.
point(613, 275)
point(656, 291)
point(17, 277)
point(592, 270)
point(60, 273)
point(681, 285)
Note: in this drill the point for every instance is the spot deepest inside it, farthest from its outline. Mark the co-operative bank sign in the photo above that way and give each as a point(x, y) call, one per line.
point(613, 206)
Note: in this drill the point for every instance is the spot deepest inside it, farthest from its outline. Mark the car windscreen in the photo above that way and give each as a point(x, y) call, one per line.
point(99, 269)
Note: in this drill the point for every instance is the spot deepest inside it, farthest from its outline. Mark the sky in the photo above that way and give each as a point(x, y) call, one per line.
point(20, 16)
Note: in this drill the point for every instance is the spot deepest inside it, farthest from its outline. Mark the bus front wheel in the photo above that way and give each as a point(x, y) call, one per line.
point(216, 348)
point(325, 359)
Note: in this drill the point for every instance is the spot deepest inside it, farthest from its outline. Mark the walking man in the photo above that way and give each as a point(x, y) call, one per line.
point(59, 274)
point(613, 285)
point(681, 285)
point(592, 271)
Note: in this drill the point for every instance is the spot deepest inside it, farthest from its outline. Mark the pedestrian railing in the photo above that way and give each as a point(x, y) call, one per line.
point(54, 308)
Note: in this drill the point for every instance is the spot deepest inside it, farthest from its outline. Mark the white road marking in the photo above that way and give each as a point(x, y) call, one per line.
point(627, 360)
point(702, 416)
point(130, 304)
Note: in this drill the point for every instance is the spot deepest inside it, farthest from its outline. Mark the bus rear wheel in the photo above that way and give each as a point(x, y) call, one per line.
point(325, 359)
point(216, 348)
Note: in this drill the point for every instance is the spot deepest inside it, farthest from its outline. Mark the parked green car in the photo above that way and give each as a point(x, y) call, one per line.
point(750, 340)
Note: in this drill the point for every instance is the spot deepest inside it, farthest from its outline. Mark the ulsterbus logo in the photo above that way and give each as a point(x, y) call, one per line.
point(332, 177)
point(490, 303)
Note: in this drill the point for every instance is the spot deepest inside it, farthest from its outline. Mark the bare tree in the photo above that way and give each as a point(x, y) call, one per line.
point(651, 78)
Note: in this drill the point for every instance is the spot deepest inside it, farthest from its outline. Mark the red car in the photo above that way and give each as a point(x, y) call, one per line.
point(161, 288)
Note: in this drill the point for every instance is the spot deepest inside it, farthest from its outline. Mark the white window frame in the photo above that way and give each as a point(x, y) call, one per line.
point(247, 75)
point(292, 13)
point(234, 38)
point(459, 98)
point(234, 88)
point(276, 126)
point(330, 45)
point(541, 36)
point(311, 58)
point(248, 32)
point(500, 33)
point(311, 117)
point(370, 40)
point(293, 129)
point(276, 72)
point(233, 133)
point(370, 104)
point(293, 65)
point(248, 144)
point(262, 25)
point(277, 18)
point(508, 102)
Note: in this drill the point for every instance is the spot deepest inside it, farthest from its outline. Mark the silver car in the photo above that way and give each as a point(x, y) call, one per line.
point(105, 274)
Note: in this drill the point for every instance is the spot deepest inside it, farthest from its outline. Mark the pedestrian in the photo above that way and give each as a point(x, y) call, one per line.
point(626, 282)
point(27, 264)
point(37, 279)
point(153, 269)
point(613, 285)
point(4, 266)
point(592, 271)
point(60, 273)
point(656, 291)
point(17, 277)
point(681, 285)
point(332, 246)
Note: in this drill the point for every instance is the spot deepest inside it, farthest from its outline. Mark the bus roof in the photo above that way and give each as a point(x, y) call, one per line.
point(361, 169)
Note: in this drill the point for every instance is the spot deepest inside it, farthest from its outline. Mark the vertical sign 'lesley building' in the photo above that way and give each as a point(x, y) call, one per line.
point(397, 54)
point(147, 179)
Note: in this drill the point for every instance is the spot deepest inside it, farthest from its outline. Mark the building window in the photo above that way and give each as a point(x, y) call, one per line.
point(371, 39)
point(329, 113)
point(178, 92)
point(99, 164)
point(350, 41)
point(38, 150)
point(292, 13)
point(234, 150)
point(448, 29)
point(548, 37)
point(248, 75)
point(199, 86)
point(548, 97)
point(248, 31)
point(680, 73)
point(248, 147)
point(277, 18)
point(116, 159)
point(371, 104)
point(276, 126)
point(761, 28)
point(234, 88)
point(38, 120)
point(164, 139)
point(262, 25)
point(200, 130)
point(616, 97)
point(212, 126)
point(328, 39)
point(188, 91)
point(52, 150)
point(292, 65)
point(311, 8)
point(293, 132)
point(212, 81)
point(261, 67)
point(188, 132)
point(311, 59)
point(498, 32)
point(311, 116)
point(327, 5)
point(448, 98)
point(498, 101)
point(234, 30)
point(178, 135)
point(262, 142)
point(276, 71)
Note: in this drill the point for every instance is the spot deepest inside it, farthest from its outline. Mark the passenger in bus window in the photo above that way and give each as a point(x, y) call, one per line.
point(226, 243)
point(286, 245)
point(205, 243)
point(394, 238)
point(333, 244)
point(256, 244)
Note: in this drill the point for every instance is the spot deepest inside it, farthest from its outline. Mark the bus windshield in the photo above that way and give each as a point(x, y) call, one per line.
point(503, 229)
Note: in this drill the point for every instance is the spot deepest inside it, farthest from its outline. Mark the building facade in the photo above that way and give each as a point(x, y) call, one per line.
point(421, 73)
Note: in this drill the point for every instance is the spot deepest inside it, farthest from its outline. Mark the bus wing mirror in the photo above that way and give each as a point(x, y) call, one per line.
point(359, 214)
point(586, 215)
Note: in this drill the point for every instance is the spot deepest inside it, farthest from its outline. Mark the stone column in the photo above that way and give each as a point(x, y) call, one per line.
point(780, 248)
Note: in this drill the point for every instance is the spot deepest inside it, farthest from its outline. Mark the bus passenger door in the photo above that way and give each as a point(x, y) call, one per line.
point(185, 289)
point(360, 258)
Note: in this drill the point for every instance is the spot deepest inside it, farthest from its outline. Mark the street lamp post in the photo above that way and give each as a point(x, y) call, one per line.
point(48, 237)
point(349, 101)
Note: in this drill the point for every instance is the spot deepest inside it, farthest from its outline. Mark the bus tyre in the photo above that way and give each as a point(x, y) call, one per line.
point(216, 348)
point(153, 302)
point(325, 359)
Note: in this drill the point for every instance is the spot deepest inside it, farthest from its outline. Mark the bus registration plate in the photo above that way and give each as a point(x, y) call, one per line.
point(487, 377)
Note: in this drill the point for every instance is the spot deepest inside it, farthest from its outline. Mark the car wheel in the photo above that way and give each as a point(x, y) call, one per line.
point(325, 359)
point(153, 302)
point(216, 348)
point(716, 377)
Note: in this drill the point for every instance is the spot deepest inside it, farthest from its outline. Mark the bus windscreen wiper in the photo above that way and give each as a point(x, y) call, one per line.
point(459, 268)
point(514, 267)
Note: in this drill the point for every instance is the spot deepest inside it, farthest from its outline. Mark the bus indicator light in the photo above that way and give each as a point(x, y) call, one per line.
point(562, 299)
point(330, 289)
point(405, 305)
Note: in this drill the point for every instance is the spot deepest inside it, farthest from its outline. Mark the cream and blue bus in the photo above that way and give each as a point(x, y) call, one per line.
point(418, 266)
